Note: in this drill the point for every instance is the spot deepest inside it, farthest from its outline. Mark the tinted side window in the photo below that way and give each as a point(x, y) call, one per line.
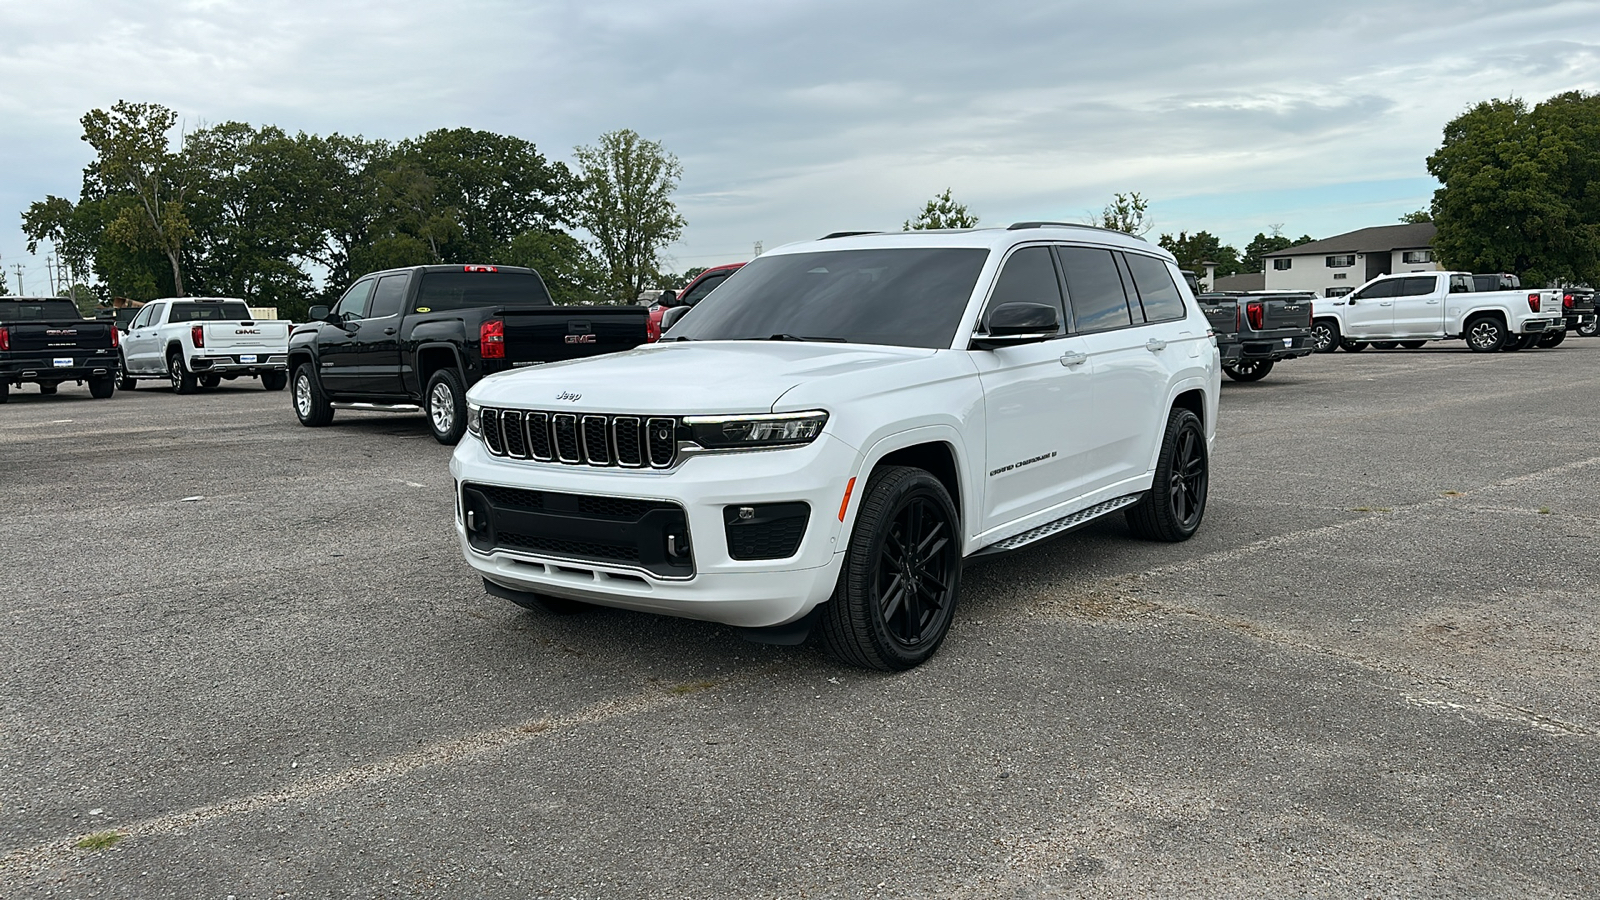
point(1157, 291)
point(703, 287)
point(1460, 284)
point(387, 298)
point(353, 305)
point(143, 318)
point(1416, 287)
point(1029, 276)
point(1094, 289)
point(1379, 291)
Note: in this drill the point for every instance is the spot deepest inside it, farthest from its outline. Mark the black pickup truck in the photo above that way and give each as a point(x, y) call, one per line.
point(45, 340)
point(416, 338)
point(1578, 308)
point(1254, 331)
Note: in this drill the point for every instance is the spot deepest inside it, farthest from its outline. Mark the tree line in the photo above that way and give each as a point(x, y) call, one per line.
point(288, 220)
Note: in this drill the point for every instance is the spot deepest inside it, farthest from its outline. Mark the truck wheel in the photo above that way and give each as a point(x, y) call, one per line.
point(274, 381)
point(901, 576)
point(1172, 510)
point(1413, 345)
point(182, 379)
point(1385, 345)
point(1551, 339)
point(310, 405)
point(446, 406)
point(1350, 346)
point(5, 391)
point(126, 382)
point(102, 386)
point(46, 389)
point(1325, 335)
point(210, 381)
point(1589, 329)
point(1249, 369)
point(1486, 334)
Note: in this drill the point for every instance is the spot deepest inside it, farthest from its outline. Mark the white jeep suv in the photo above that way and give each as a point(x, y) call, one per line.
point(826, 438)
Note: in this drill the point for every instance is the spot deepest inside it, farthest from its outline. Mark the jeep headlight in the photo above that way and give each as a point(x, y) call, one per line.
point(740, 432)
point(474, 418)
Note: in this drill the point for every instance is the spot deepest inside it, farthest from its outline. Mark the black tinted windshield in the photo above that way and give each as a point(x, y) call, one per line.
point(465, 290)
point(235, 311)
point(38, 310)
point(906, 297)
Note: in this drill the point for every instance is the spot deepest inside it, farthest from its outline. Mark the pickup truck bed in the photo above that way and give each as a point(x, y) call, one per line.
point(1255, 331)
point(45, 341)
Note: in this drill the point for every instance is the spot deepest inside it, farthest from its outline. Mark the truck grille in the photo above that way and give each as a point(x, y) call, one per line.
point(629, 442)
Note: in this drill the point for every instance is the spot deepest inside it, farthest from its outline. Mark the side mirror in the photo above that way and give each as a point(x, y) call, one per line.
point(671, 317)
point(1019, 323)
point(668, 299)
point(318, 314)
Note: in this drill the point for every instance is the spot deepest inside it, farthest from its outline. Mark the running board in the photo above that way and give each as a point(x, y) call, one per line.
point(1059, 526)
point(378, 407)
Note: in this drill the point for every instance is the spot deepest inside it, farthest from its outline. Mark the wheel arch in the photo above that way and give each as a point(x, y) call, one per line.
point(935, 448)
point(430, 358)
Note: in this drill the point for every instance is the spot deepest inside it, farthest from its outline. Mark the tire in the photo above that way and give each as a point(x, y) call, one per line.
point(1385, 345)
point(1176, 503)
point(1325, 335)
point(274, 381)
point(445, 402)
point(1413, 345)
point(1249, 369)
point(1350, 346)
point(1528, 341)
point(210, 381)
point(5, 391)
point(901, 577)
point(46, 389)
point(1551, 339)
point(102, 387)
point(182, 379)
point(311, 406)
point(126, 382)
point(555, 606)
point(1588, 329)
point(1485, 334)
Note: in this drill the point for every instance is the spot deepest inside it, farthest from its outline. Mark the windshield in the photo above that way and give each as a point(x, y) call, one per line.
point(38, 311)
point(234, 311)
point(466, 290)
point(904, 297)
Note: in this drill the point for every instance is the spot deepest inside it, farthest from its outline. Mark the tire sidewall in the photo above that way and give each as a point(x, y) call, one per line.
point(458, 395)
point(1323, 326)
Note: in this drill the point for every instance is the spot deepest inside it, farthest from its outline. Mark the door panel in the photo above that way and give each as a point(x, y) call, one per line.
point(1369, 312)
point(378, 339)
point(339, 363)
point(141, 345)
point(1419, 307)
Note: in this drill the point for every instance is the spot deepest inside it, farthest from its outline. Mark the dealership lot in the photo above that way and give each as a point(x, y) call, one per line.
point(1373, 672)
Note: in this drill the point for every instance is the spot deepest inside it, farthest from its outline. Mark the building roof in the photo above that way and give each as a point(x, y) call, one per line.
point(1380, 239)
point(1249, 281)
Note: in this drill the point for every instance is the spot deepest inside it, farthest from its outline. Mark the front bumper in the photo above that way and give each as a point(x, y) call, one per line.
point(48, 369)
point(718, 587)
point(240, 363)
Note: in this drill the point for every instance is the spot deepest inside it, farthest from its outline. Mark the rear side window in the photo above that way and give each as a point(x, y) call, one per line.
point(703, 287)
point(1416, 287)
point(1094, 289)
point(1157, 291)
point(1029, 277)
point(389, 296)
point(209, 312)
point(466, 290)
point(38, 311)
point(1378, 291)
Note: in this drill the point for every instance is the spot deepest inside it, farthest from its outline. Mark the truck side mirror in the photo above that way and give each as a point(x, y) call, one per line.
point(668, 299)
point(318, 314)
point(671, 317)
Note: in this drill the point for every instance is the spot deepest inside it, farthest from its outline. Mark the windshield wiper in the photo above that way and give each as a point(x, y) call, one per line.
point(796, 337)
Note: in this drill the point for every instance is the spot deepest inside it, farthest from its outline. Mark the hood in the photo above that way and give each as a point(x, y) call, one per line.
point(685, 377)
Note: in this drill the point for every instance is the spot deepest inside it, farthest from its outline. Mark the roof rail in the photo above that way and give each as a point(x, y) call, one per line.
point(840, 234)
point(1018, 226)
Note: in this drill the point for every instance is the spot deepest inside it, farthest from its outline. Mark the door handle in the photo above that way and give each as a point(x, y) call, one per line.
point(1386, 303)
point(1155, 345)
point(389, 330)
point(1074, 358)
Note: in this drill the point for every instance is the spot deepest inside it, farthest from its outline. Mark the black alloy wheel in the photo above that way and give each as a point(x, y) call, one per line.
point(1248, 369)
point(1588, 329)
point(1413, 345)
point(1486, 334)
point(1385, 345)
point(274, 380)
point(101, 387)
point(1551, 339)
point(5, 391)
point(1324, 336)
point(1350, 346)
point(1176, 502)
point(897, 593)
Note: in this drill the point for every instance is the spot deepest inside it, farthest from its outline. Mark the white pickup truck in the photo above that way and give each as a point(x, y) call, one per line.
point(199, 341)
point(1411, 309)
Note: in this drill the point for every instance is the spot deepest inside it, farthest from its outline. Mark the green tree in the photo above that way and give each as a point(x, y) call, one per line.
point(133, 155)
point(1202, 247)
point(941, 212)
point(1520, 189)
point(1128, 213)
point(1417, 217)
point(1264, 243)
point(625, 203)
point(570, 271)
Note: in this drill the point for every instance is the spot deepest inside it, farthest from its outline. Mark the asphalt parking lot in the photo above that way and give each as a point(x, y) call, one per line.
point(241, 658)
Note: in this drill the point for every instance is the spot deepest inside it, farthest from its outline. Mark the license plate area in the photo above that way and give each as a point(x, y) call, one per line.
point(62, 362)
point(247, 357)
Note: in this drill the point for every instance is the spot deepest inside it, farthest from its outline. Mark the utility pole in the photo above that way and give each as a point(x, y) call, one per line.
point(50, 273)
point(20, 291)
point(758, 250)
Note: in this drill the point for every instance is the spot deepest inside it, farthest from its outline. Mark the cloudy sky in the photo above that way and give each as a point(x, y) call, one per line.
point(793, 119)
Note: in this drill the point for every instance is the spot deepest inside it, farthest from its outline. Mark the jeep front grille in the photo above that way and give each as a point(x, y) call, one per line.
point(575, 439)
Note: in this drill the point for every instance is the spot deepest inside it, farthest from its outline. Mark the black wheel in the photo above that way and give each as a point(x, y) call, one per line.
point(1486, 334)
point(126, 382)
point(46, 389)
point(1350, 346)
point(5, 391)
point(210, 381)
point(1249, 369)
point(902, 574)
point(1385, 345)
point(1325, 335)
point(102, 386)
point(182, 379)
point(310, 405)
point(274, 381)
point(446, 406)
point(1551, 339)
point(557, 606)
point(1413, 345)
point(1177, 500)
point(1588, 329)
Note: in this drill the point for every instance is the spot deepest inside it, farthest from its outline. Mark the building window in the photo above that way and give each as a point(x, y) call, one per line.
point(1340, 276)
point(1282, 265)
point(1416, 257)
point(1337, 292)
point(1341, 262)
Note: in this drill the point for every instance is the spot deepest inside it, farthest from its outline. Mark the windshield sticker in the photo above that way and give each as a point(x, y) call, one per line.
point(1026, 462)
point(424, 309)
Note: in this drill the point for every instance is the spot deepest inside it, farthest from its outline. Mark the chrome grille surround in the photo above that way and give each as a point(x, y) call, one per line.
point(582, 439)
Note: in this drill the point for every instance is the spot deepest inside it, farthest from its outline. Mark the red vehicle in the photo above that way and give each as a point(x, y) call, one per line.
point(693, 293)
